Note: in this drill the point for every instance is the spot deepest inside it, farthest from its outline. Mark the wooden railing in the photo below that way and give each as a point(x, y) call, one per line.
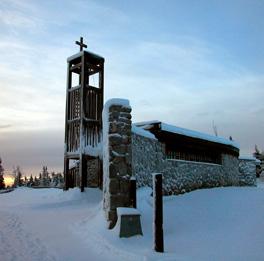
point(75, 105)
point(91, 121)
point(92, 134)
point(73, 137)
point(94, 103)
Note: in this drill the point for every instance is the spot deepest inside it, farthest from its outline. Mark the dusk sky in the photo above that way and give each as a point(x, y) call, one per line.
point(187, 63)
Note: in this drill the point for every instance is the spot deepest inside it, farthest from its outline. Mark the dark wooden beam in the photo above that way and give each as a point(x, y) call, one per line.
point(66, 174)
point(158, 212)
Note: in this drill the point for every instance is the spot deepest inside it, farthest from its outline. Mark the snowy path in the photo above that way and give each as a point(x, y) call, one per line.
point(17, 243)
point(210, 224)
point(37, 225)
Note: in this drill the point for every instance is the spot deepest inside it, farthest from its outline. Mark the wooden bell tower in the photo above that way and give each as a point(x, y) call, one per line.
point(83, 119)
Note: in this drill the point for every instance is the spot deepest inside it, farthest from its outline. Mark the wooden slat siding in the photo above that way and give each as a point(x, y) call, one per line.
point(68, 86)
point(82, 169)
point(66, 161)
point(71, 141)
point(72, 156)
point(66, 173)
point(84, 111)
point(101, 86)
point(93, 104)
point(69, 137)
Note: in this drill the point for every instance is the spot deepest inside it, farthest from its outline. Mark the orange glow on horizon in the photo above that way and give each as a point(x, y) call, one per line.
point(9, 181)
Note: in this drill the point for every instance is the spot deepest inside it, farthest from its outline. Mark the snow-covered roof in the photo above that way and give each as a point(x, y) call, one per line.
point(186, 132)
point(244, 157)
point(142, 132)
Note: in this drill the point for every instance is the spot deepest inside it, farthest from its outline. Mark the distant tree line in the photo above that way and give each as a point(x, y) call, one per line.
point(45, 179)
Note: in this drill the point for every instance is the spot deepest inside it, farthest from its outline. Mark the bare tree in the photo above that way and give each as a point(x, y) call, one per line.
point(214, 128)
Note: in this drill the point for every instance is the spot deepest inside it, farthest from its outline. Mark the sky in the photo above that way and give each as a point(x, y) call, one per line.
point(186, 63)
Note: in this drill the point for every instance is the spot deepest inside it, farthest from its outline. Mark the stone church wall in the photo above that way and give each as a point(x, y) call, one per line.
point(138, 153)
point(148, 156)
point(247, 172)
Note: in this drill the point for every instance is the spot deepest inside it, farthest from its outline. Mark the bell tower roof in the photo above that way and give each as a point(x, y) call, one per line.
point(91, 56)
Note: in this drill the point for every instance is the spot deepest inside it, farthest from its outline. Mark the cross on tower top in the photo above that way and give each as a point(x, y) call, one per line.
point(82, 45)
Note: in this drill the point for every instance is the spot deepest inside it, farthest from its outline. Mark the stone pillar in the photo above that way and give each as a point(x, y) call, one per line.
point(247, 171)
point(117, 157)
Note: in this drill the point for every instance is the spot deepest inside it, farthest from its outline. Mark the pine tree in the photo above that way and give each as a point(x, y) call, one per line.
point(2, 182)
point(45, 180)
point(36, 181)
point(18, 177)
point(31, 181)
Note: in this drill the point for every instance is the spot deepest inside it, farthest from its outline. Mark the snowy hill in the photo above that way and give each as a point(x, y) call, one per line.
point(211, 224)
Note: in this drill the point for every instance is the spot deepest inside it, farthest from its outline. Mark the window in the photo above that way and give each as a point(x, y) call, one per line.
point(208, 157)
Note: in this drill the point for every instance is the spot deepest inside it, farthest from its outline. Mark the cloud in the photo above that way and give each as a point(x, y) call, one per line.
point(5, 126)
point(188, 84)
point(186, 81)
point(17, 15)
point(32, 149)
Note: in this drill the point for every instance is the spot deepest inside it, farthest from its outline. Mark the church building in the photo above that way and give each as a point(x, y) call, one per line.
point(104, 149)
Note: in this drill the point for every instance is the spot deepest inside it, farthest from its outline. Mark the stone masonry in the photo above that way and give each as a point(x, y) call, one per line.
point(247, 171)
point(93, 172)
point(179, 176)
point(126, 153)
point(117, 157)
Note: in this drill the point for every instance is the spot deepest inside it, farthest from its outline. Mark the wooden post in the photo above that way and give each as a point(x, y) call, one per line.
point(133, 192)
point(158, 213)
point(66, 174)
point(83, 171)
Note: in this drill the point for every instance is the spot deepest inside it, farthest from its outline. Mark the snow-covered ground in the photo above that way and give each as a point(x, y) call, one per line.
point(210, 224)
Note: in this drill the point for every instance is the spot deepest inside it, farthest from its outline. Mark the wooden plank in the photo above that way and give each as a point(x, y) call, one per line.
point(158, 213)
point(92, 88)
point(83, 172)
point(101, 86)
point(66, 173)
point(94, 71)
point(77, 87)
point(73, 120)
point(76, 68)
point(70, 155)
point(133, 192)
point(96, 66)
point(68, 84)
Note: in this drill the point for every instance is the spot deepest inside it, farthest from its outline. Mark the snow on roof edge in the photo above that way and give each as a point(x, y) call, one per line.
point(199, 135)
point(142, 123)
point(141, 132)
point(189, 133)
point(244, 157)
